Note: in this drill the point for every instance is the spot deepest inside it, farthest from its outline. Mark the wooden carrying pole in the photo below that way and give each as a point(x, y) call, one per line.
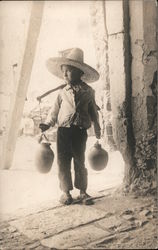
point(19, 95)
point(39, 98)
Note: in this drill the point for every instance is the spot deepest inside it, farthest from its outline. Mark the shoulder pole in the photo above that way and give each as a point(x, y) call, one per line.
point(50, 91)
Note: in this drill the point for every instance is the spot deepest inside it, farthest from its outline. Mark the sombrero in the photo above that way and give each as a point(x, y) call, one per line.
point(73, 57)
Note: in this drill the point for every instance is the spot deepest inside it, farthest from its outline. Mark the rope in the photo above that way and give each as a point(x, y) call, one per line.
point(40, 114)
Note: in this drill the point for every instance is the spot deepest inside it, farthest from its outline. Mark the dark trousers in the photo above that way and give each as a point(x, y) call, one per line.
point(71, 143)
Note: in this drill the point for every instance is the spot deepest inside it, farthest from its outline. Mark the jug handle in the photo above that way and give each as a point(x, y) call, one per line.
point(43, 136)
point(98, 141)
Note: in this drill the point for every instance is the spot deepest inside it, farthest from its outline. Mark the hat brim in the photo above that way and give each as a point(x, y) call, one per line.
point(54, 67)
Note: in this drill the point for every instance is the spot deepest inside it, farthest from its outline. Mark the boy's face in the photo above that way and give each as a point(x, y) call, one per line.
point(71, 74)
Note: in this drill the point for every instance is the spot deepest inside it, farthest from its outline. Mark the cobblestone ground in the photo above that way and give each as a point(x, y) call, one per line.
point(113, 222)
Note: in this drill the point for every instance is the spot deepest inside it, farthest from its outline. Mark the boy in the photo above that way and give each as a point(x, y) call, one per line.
point(74, 110)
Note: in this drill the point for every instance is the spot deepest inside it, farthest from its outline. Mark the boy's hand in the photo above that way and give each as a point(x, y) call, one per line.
point(98, 135)
point(44, 127)
point(97, 130)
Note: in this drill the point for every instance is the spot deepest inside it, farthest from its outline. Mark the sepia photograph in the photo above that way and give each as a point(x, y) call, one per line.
point(78, 124)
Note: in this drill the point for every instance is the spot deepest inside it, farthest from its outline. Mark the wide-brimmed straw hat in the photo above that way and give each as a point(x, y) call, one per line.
point(73, 57)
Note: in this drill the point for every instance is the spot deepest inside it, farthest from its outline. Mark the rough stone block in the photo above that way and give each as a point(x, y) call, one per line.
point(136, 16)
point(139, 111)
point(109, 223)
point(33, 245)
point(38, 226)
point(41, 248)
point(114, 16)
point(12, 229)
point(77, 237)
point(103, 243)
point(126, 227)
point(151, 111)
point(108, 106)
point(143, 45)
point(151, 121)
point(145, 212)
point(150, 24)
point(129, 217)
point(137, 76)
point(127, 212)
point(116, 71)
point(109, 129)
point(151, 104)
point(111, 143)
point(76, 247)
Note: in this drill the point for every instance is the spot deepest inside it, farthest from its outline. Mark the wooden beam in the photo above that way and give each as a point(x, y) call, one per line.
point(19, 95)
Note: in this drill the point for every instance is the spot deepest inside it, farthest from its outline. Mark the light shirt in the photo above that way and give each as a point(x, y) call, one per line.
point(75, 105)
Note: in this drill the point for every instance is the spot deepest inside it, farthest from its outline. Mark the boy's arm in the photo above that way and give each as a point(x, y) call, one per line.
point(93, 111)
point(52, 115)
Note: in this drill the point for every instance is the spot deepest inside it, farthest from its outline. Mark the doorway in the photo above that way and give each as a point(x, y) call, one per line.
point(62, 27)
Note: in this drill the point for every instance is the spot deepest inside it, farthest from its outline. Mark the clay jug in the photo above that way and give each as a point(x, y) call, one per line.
point(44, 155)
point(97, 157)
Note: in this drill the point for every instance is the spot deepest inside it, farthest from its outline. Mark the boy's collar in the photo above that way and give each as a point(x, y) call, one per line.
point(69, 86)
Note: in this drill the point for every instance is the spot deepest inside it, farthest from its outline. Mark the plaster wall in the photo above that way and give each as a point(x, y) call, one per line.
point(143, 15)
point(144, 63)
point(150, 61)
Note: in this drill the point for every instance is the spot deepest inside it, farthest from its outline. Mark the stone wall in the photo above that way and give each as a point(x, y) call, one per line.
point(128, 48)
